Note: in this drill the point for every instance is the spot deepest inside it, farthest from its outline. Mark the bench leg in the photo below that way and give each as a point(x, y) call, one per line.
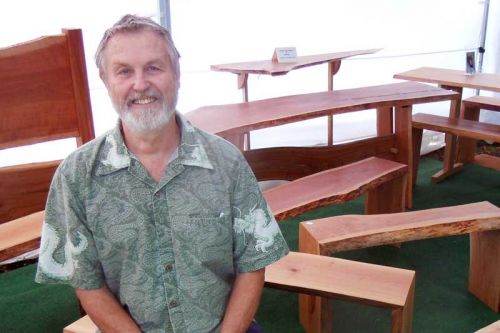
point(402, 318)
point(387, 198)
point(315, 314)
point(467, 147)
point(451, 148)
point(484, 270)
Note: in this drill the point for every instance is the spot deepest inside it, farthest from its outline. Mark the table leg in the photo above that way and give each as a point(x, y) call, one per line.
point(243, 85)
point(385, 121)
point(404, 146)
point(451, 148)
point(333, 68)
point(467, 147)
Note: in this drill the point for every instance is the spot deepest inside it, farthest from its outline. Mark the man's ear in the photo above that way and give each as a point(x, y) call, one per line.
point(103, 77)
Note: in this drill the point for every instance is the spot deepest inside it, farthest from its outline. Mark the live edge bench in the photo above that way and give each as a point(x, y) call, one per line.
point(304, 273)
point(481, 220)
point(393, 103)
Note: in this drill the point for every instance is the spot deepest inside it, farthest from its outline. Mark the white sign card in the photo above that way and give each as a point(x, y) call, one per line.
point(285, 54)
point(470, 62)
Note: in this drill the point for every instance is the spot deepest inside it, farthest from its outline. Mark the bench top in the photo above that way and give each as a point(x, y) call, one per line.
point(20, 233)
point(453, 78)
point(347, 232)
point(269, 67)
point(483, 102)
point(331, 186)
point(343, 279)
point(243, 117)
point(460, 127)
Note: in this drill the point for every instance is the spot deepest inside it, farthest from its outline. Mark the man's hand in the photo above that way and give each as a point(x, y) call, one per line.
point(106, 312)
point(243, 302)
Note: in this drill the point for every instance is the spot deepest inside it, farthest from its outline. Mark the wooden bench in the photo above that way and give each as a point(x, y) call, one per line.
point(481, 220)
point(393, 103)
point(20, 235)
point(382, 180)
point(456, 127)
point(376, 285)
point(467, 147)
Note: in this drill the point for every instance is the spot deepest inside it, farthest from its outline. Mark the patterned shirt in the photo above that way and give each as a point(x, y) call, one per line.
point(169, 250)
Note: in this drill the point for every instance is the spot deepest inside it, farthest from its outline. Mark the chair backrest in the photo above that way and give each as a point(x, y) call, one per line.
point(44, 96)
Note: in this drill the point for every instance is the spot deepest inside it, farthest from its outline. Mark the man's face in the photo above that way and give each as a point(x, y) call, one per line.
point(140, 80)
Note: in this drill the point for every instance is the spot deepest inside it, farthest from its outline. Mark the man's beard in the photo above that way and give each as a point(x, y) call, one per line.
point(148, 119)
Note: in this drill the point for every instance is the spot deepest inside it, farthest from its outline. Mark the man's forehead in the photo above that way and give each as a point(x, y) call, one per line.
point(143, 42)
point(130, 39)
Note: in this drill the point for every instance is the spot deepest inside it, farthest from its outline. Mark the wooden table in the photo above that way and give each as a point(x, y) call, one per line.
point(393, 103)
point(273, 68)
point(452, 80)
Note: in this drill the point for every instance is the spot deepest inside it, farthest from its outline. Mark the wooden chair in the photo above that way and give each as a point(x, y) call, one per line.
point(44, 96)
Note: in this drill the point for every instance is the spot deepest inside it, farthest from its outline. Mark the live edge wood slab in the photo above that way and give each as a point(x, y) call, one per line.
point(382, 180)
point(375, 285)
point(481, 220)
point(269, 67)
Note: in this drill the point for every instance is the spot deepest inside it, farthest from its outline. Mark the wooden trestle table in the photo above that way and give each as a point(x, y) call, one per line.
point(454, 80)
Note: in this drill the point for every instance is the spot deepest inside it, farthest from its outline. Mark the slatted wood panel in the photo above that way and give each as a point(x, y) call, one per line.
point(44, 91)
point(43, 96)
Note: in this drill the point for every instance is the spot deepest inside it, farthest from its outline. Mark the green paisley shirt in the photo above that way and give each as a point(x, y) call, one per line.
point(169, 251)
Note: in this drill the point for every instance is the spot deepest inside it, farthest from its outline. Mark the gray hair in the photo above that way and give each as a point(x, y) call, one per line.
point(133, 23)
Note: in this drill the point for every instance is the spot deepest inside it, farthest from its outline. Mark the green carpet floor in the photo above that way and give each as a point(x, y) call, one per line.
point(442, 303)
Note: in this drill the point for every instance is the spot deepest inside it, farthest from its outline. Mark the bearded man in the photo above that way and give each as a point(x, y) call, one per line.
point(157, 225)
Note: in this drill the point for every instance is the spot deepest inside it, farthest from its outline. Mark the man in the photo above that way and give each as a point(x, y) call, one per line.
point(158, 226)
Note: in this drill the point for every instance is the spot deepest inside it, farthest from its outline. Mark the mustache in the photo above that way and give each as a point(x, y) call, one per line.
point(146, 94)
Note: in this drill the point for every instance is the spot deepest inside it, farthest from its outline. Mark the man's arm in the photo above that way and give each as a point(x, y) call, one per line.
point(105, 311)
point(243, 302)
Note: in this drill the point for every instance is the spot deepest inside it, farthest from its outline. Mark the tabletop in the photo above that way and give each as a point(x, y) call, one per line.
point(241, 117)
point(273, 68)
point(453, 78)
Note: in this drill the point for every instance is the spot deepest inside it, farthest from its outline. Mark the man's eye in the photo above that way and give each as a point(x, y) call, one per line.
point(153, 68)
point(123, 71)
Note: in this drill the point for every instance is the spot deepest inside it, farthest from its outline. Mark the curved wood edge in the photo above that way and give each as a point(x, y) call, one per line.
point(331, 186)
point(359, 231)
point(268, 67)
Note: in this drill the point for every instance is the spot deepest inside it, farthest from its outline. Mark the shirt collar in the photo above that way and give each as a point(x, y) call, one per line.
point(115, 156)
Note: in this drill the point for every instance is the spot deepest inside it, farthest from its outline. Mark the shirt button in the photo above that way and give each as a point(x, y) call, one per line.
point(168, 267)
point(173, 303)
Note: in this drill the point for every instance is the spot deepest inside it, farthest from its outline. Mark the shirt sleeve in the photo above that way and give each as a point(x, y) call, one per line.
point(257, 236)
point(67, 252)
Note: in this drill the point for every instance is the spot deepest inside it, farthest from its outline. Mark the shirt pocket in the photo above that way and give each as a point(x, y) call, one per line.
point(207, 237)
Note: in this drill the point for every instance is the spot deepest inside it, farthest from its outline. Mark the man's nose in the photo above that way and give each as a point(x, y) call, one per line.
point(140, 82)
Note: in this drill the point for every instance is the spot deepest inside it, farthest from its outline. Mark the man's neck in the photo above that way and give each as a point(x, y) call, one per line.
point(154, 148)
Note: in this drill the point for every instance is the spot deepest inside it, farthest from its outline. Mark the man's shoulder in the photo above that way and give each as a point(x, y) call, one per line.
point(84, 157)
point(218, 149)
